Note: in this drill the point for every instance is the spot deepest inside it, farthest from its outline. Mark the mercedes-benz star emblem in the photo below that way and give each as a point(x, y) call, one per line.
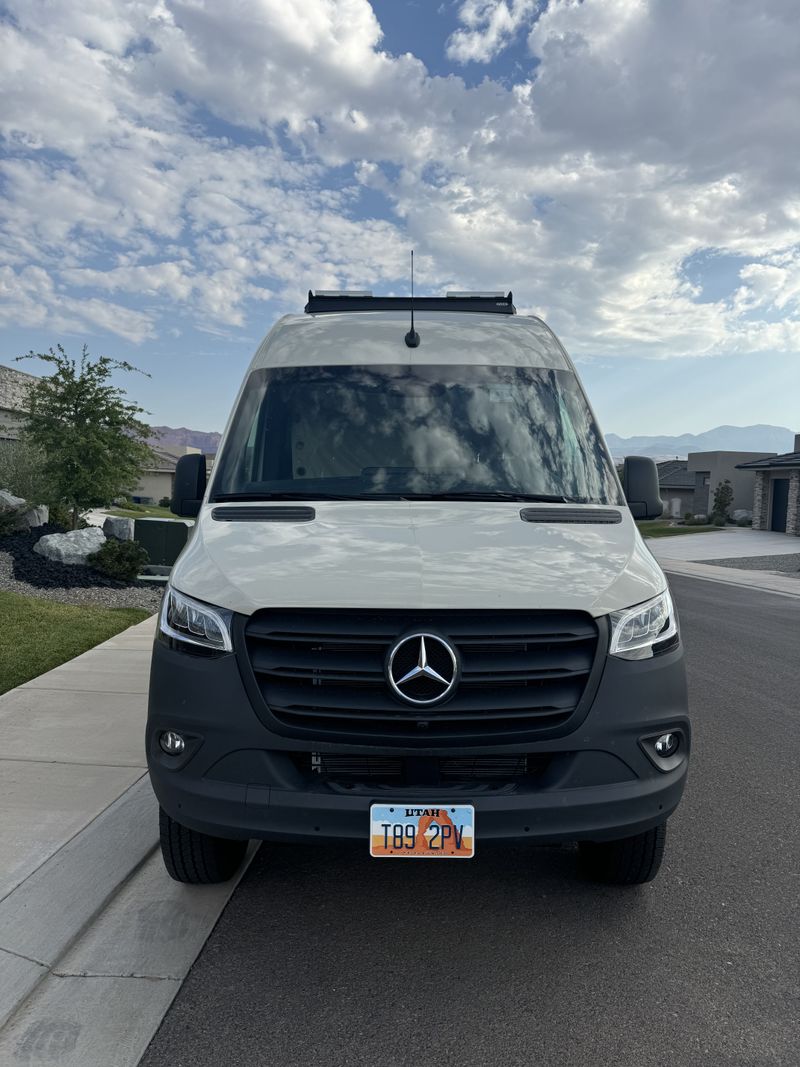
point(422, 668)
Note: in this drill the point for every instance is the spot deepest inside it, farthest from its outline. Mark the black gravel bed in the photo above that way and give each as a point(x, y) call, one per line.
point(787, 564)
point(36, 570)
point(26, 572)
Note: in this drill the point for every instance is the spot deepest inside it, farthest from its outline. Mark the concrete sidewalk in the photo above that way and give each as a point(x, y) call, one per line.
point(730, 542)
point(94, 937)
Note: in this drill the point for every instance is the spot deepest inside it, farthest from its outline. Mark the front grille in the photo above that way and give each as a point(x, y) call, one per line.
point(321, 673)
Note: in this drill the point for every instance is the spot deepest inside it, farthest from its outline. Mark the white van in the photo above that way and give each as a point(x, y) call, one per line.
point(416, 611)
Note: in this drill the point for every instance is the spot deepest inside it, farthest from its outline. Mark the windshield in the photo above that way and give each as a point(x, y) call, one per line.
point(423, 432)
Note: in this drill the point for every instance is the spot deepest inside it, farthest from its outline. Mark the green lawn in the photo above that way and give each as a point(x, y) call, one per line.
point(143, 511)
point(37, 635)
point(660, 528)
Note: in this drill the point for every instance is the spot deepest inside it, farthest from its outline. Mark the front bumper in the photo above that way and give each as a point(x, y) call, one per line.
point(238, 779)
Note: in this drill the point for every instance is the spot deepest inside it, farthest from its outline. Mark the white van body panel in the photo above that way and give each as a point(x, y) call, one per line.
point(415, 554)
point(400, 554)
point(336, 339)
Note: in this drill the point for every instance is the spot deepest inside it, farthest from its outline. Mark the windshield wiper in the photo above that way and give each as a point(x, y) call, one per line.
point(526, 498)
point(467, 494)
point(307, 494)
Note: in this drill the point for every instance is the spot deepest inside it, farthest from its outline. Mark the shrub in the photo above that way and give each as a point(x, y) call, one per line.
point(22, 471)
point(165, 502)
point(744, 521)
point(687, 517)
point(718, 520)
point(121, 560)
point(723, 498)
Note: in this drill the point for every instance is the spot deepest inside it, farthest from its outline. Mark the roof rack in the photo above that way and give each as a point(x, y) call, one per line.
point(492, 303)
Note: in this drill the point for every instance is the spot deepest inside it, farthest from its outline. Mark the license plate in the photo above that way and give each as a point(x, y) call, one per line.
point(422, 831)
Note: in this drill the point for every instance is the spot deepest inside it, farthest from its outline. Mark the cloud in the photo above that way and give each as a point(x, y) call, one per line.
point(490, 25)
point(185, 160)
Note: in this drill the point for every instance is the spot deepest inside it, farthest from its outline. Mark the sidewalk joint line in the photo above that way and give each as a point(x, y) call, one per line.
point(60, 689)
point(22, 956)
point(145, 977)
point(73, 763)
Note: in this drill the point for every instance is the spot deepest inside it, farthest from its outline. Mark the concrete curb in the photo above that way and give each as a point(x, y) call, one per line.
point(763, 581)
point(43, 916)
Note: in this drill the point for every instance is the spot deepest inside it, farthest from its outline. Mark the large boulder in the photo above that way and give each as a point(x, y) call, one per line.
point(9, 502)
point(71, 548)
point(119, 528)
point(742, 513)
point(23, 517)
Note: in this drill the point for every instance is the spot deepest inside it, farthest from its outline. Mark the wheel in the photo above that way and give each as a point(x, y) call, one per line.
point(195, 858)
point(628, 861)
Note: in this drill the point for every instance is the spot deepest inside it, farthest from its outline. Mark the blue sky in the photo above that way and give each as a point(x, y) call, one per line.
point(176, 174)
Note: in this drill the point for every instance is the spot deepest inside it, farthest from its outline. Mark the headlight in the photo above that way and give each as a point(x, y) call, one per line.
point(636, 630)
point(184, 619)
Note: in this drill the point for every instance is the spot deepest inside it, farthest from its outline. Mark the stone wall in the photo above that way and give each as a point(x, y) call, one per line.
point(793, 510)
point(761, 501)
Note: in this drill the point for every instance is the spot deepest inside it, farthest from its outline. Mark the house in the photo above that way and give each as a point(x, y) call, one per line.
point(689, 484)
point(776, 492)
point(14, 386)
point(158, 478)
point(677, 488)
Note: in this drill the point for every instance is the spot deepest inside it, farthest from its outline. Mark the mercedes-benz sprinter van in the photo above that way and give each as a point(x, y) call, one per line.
point(415, 611)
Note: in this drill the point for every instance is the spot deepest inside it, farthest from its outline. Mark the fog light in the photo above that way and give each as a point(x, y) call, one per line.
point(667, 745)
point(173, 744)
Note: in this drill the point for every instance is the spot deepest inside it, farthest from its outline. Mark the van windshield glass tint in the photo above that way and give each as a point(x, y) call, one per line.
point(362, 431)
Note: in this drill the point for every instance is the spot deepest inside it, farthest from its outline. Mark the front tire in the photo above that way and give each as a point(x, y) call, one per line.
point(195, 858)
point(628, 861)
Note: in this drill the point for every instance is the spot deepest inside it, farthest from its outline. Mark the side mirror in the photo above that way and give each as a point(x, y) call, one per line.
point(640, 484)
point(190, 485)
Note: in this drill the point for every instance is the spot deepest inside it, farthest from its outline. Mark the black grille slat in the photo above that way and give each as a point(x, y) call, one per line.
point(325, 669)
point(554, 696)
point(399, 719)
point(313, 659)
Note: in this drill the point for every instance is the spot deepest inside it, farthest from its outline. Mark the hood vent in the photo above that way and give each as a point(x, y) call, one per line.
point(252, 513)
point(589, 516)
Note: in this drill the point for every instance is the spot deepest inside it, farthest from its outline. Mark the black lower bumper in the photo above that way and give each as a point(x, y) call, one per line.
point(238, 779)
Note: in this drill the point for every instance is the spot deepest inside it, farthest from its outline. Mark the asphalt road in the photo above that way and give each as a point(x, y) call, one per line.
point(326, 957)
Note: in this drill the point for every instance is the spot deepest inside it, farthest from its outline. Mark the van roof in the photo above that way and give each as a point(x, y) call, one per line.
point(377, 337)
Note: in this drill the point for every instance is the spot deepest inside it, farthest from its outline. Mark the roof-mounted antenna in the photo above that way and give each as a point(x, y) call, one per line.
point(412, 337)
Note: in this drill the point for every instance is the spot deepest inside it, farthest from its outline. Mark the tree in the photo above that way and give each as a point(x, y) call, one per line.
point(94, 444)
point(723, 498)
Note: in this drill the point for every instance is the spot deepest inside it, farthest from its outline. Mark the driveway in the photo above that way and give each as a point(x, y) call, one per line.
point(326, 957)
point(729, 543)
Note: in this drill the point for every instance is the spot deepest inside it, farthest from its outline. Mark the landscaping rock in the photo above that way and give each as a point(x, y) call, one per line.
point(742, 513)
point(23, 520)
point(119, 528)
point(70, 548)
point(700, 518)
point(9, 502)
point(38, 516)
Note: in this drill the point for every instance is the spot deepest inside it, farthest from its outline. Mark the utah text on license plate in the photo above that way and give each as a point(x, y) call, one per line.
point(422, 831)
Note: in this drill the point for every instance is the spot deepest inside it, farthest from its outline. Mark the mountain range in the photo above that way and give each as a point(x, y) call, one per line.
point(173, 439)
point(759, 438)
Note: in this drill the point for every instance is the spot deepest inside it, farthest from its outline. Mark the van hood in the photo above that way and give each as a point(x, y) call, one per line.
point(401, 554)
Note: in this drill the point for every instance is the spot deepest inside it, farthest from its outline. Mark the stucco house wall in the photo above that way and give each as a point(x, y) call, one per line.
point(711, 468)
